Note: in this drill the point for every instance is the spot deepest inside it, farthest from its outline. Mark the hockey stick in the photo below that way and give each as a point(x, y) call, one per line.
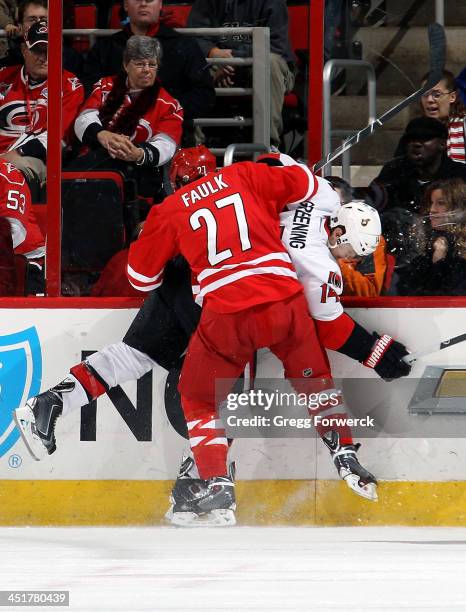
point(437, 45)
point(412, 357)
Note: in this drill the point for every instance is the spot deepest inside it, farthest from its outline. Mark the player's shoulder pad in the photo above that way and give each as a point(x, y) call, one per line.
point(325, 199)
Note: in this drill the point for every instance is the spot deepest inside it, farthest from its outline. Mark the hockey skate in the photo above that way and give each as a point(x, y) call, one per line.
point(36, 422)
point(202, 503)
point(350, 470)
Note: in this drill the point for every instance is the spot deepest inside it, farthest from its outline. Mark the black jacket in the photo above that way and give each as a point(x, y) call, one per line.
point(184, 73)
point(246, 13)
point(400, 179)
point(422, 277)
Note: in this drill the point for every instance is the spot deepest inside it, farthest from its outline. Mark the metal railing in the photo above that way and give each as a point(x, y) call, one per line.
point(260, 90)
point(329, 67)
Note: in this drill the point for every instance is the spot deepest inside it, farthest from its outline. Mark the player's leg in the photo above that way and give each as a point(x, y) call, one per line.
point(306, 364)
point(113, 365)
point(154, 337)
point(218, 350)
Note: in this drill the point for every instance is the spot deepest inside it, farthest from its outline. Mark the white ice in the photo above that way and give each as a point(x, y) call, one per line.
point(242, 568)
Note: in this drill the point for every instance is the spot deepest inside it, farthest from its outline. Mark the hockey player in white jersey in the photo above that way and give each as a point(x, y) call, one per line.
point(306, 234)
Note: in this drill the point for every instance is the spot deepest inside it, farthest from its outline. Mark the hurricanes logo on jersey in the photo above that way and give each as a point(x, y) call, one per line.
point(13, 119)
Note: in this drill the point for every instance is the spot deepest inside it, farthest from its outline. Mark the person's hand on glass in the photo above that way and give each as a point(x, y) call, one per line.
point(439, 249)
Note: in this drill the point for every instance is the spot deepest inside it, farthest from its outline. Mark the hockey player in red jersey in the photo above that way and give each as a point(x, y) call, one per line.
point(160, 333)
point(20, 233)
point(227, 227)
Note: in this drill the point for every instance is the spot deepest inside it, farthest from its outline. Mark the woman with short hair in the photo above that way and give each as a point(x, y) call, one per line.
point(130, 122)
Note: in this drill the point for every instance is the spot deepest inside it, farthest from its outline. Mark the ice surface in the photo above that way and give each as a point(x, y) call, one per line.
point(242, 568)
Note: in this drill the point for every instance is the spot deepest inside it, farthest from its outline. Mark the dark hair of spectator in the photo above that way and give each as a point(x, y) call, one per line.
point(346, 194)
point(25, 3)
point(457, 109)
point(137, 47)
point(454, 193)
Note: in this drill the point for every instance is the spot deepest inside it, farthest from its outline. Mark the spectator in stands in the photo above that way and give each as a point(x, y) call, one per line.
point(8, 17)
point(184, 73)
point(441, 268)
point(22, 245)
point(443, 102)
point(130, 122)
point(29, 12)
point(405, 178)
point(265, 13)
point(23, 105)
point(363, 276)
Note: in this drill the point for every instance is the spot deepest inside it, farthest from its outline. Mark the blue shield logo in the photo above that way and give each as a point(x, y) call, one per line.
point(20, 378)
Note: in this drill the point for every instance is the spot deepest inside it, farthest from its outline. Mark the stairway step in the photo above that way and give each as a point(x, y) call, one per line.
point(351, 112)
point(408, 57)
point(361, 176)
point(376, 150)
point(455, 12)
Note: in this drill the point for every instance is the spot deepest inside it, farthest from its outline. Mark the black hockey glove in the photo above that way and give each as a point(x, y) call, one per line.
point(385, 357)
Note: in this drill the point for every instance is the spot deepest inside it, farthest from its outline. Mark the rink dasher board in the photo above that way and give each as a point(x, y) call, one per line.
point(292, 480)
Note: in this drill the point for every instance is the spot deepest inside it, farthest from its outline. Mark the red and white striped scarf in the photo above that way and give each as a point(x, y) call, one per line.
point(455, 142)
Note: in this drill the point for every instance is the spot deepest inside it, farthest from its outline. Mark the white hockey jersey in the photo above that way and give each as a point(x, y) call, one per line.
point(305, 232)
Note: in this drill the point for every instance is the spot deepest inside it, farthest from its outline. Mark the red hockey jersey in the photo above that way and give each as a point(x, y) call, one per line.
point(165, 116)
point(15, 205)
point(227, 226)
point(23, 109)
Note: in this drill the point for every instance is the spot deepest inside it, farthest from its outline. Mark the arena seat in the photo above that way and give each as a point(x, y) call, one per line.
point(93, 220)
point(115, 22)
point(175, 15)
point(298, 26)
point(85, 16)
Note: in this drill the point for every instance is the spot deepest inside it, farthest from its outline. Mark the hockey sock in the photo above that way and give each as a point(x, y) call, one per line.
point(72, 393)
point(207, 439)
point(194, 472)
point(90, 381)
point(329, 414)
point(209, 446)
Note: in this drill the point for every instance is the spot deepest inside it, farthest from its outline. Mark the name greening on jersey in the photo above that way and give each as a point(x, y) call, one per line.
point(300, 227)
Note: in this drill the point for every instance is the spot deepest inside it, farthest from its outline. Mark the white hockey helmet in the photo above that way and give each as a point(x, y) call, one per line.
point(362, 227)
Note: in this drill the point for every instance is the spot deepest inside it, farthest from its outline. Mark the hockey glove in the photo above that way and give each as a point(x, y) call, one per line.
point(385, 357)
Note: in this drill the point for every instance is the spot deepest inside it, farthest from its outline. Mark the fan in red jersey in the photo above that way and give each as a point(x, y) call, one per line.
point(23, 104)
point(130, 122)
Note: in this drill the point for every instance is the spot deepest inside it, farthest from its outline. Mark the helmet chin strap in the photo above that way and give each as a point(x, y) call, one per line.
point(337, 244)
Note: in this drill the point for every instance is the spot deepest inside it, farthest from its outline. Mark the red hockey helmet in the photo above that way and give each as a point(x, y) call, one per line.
point(190, 164)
